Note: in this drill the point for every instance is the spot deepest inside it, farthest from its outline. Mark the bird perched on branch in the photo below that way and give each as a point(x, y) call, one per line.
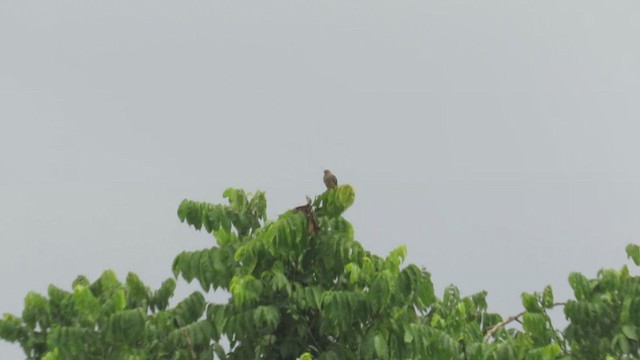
point(330, 180)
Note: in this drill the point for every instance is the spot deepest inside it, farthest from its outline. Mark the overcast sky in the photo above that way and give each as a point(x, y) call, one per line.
point(497, 140)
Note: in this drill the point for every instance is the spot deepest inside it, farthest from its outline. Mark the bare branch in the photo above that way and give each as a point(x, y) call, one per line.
point(502, 324)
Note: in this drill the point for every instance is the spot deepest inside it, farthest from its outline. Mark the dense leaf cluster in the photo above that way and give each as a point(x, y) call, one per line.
point(301, 286)
point(108, 319)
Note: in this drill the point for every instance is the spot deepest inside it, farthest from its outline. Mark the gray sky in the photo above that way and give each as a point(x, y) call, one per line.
point(498, 140)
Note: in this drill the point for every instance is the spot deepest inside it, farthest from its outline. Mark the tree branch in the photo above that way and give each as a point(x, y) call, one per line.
point(502, 324)
point(312, 224)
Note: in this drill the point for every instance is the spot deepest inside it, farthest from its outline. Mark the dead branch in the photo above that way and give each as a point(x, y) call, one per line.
point(312, 225)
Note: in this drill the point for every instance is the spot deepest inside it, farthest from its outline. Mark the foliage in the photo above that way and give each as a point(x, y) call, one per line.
point(107, 319)
point(298, 289)
point(301, 286)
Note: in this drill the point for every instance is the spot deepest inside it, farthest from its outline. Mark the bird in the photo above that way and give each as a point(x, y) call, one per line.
point(330, 180)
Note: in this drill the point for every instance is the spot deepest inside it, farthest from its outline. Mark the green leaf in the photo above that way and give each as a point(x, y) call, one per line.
point(117, 302)
point(36, 310)
point(197, 334)
point(535, 324)
point(396, 257)
point(266, 317)
point(191, 212)
point(381, 347)
point(11, 328)
point(622, 343)
point(126, 327)
point(630, 332)
point(609, 279)
point(334, 202)
point(190, 309)
point(216, 315)
point(245, 289)
point(86, 304)
point(551, 351)
point(633, 251)
point(137, 293)
point(237, 199)
point(408, 336)
point(160, 298)
point(580, 285)
point(354, 272)
point(530, 302)
point(106, 284)
point(547, 297)
point(80, 280)
point(52, 355)
point(70, 338)
point(313, 297)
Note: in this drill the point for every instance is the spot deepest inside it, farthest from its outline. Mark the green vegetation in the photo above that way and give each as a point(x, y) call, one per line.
point(302, 287)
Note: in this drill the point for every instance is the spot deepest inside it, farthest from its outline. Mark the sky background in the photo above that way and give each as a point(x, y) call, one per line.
point(497, 140)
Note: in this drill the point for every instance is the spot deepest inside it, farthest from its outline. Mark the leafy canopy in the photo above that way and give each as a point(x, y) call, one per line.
point(301, 286)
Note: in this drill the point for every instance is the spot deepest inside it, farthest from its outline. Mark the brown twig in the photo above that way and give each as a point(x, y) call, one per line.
point(503, 323)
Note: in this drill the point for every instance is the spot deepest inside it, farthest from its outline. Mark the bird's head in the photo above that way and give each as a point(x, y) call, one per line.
point(327, 172)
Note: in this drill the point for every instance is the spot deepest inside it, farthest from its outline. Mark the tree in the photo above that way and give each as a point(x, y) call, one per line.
point(302, 287)
point(107, 319)
point(302, 284)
